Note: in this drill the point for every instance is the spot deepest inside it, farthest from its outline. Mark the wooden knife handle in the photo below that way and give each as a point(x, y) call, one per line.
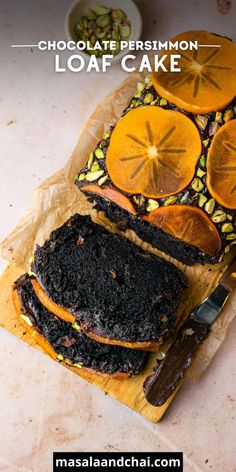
point(168, 372)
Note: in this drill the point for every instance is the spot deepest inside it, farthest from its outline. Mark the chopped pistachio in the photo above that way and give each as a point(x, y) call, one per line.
point(138, 94)
point(184, 197)
point(213, 128)
point(26, 320)
point(202, 200)
point(152, 205)
point(31, 273)
point(154, 102)
point(81, 177)
point(106, 135)
point(139, 200)
point(200, 173)
point(227, 248)
point(210, 206)
point(205, 142)
point(228, 115)
point(103, 180)
point(229, 217)
point(163, 102)
point(231, 236)
point(101, 10)
point(141, 86)
point(202, 121)
point(99, 153)
point(170, 200)
point(125, 31)
point(78, 364)
point(95, 167)
point(202, 160)
point(197, 185)
point(227, 228)
point(218, 117)
point(31, 260)
point(76, 326)
point(91, 176)
point(148, 98)
point(148, 79)
point(219, 216)
point(60, 357)
point(90, 161)
point(103, 20)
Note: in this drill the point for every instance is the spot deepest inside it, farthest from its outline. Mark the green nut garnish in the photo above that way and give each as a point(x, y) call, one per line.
point(202, 160)
point(141, 86)
point(90, 161)
point(197, 185)
point(60, 357)
point(202, 121)
point(202, 200)
point(26, 320)
point(76, 326)
point(227, 228)
point(99, 153)
point(184, 197)
point(219, 117)
point(78, 364)
point(170, 200)
point(103, 24)
point(152, 205)
point(163, 102)
point(81, 177)
point(102, 180)
point(228, 115)
point(148, 98)
point(213, 128)
point(92, 176)
point(106, 135)
point(231, 236)
point(219, 216)
point(210, 206)
point(205, 142)
point(200, 173)
point(95, 167)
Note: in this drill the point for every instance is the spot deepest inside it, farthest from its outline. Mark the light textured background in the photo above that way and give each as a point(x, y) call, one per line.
point(43, 406)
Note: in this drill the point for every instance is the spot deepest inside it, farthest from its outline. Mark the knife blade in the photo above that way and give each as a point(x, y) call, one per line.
point(168, 372)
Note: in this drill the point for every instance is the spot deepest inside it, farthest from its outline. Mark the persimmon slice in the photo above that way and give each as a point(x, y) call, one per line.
point(153, 152)
point(207, 80)
point(51, 306)
point(189, 224)
point(221, 166)
point(111, 195)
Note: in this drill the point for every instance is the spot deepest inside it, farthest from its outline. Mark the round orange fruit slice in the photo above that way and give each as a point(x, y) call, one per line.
point(153, 152)
point(189, 224)
point(221, 166)
point(207, 80)
point(112, 195)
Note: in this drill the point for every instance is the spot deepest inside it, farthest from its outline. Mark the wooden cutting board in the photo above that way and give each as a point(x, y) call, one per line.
point(130, 391)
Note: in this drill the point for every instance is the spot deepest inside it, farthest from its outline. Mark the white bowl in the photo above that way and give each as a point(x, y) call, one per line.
point(81, 7)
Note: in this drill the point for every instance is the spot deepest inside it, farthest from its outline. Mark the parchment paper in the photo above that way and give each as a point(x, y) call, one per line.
point(57, 198)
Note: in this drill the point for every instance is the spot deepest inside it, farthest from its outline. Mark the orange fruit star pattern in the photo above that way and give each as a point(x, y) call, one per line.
point(207, 80)
point(221, 166)
point(188, 224)
point(153, 152)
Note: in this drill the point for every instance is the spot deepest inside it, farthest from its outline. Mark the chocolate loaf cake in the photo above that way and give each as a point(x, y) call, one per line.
point(67, 344)
point(167, 168)
point(118, 293)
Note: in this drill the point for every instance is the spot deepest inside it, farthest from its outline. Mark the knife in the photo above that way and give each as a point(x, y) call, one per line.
point(168, 372)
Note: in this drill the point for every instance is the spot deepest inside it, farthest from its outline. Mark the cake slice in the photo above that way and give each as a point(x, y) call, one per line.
point(167, 168)
point(116, 292)
point(64, 343)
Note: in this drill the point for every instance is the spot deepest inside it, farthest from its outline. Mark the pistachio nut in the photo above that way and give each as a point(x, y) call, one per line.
point(210, 206)
point(152, 205)
point(219, 216)
point(171, 200)
point(99, 153)
point(92, 176)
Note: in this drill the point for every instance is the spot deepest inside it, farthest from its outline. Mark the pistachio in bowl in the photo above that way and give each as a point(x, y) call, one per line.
point(103, 24)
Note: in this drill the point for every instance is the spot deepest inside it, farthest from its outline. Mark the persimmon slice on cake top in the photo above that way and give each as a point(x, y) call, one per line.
point(112, 195)
point(207, 80)
point(153, 152)
point(221, 166)
point(188, 224)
